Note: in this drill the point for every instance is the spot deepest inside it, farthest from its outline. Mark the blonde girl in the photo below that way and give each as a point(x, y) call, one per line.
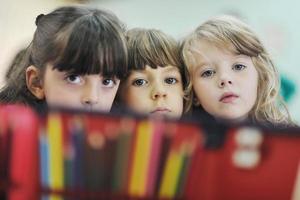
point(232, 74)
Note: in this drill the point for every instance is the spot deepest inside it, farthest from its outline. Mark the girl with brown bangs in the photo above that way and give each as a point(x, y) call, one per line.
point(232, 74)
point(76, 59)
point(157, 81)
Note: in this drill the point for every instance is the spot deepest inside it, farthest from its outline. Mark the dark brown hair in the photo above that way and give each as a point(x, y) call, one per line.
point(74, 39)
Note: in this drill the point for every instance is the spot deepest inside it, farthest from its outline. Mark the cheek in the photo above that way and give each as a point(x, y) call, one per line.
point(177, 93)
point(133, 96)
point(253, 90)
point(61, 97)
point(52, 92)
point(55, 92)
point(252, 85)
point(136, 100)
point(108, 95)
point(200, 89)
point(175, 89)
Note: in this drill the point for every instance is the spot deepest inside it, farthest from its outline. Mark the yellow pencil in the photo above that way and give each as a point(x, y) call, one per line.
point(171, 174)
point(56, 178)
point(139, 170)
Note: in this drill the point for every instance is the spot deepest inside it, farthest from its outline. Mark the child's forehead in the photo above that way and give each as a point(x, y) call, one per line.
point(200, 45)
point(197, 48)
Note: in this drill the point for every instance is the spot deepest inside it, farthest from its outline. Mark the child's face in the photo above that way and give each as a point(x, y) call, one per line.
point(225, 84)
point(91, 92)
point(154, 91)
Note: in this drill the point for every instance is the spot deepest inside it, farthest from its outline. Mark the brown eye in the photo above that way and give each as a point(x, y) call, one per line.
point(171, 81)
point(139, 82)
point(108, 82)
point(74, 79)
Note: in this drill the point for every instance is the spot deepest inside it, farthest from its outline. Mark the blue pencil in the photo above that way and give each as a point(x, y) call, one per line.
point(44, 161)
point(77, 137)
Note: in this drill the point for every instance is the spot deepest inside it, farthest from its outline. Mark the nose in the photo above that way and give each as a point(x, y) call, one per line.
point(158, 92)
point(225, 80)
point(90, 96)
point(223, 83)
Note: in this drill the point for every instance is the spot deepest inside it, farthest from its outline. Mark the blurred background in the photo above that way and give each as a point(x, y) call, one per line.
point(275, 22)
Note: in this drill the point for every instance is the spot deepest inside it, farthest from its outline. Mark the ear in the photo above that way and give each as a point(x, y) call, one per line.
point(34, 82)
point(196, 101)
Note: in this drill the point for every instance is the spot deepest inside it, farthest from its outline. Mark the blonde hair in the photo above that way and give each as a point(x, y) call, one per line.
point(154, 48)
point(230, 33)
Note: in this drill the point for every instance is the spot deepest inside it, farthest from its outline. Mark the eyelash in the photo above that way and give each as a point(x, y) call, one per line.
point(113, 81)
point(242, 67)
point(171, 78)
point(68, 76)
point(135, 82)
point(212, 72)
point(144, 82)
point(205, 73)
point(104, 81)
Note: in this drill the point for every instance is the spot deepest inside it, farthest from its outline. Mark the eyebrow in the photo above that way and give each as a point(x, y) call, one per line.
point(241, 56)
point(245, 58)
point(200, 65)
point(139, 71)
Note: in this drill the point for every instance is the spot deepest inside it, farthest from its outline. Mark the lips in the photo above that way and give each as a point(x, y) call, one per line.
point(160, 111)
point(228, 97)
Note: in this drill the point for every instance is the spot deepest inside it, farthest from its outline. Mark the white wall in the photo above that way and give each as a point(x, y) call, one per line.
point(17, 24)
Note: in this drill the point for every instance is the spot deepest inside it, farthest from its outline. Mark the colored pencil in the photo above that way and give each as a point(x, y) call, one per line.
point(171, 174)
point(44, 161)
point(154, 156)
point(124, 142)
point(138, 179)
point(54, 128)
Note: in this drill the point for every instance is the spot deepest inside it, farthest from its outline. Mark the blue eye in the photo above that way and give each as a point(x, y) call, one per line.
point(171, 81)
point(74, 79)
point(208, 73)
point(238, 67)
point(108, 82)
point(139, 82)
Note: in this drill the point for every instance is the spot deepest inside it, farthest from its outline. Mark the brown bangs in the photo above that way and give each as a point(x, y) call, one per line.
point(92, 45)
point(151, 48)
